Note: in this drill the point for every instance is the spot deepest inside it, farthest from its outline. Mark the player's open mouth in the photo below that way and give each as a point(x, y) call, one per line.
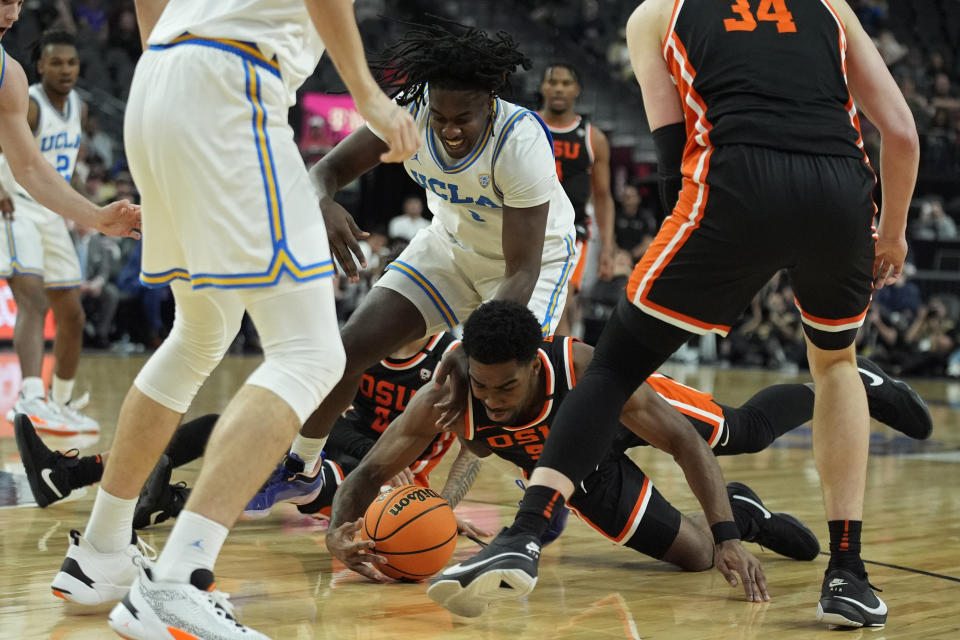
point(453, 145)
point(497, 416)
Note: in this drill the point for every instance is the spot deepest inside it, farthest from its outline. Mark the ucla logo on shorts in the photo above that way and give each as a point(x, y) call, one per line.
point(484, 180)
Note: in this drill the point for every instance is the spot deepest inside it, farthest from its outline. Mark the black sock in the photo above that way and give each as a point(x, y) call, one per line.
point(89, 470)
point(537, 507)
point(742, 515)
point(845, 546)
point(190, 439)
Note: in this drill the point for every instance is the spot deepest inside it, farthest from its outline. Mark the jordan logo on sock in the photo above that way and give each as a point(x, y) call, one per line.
point(197, 544)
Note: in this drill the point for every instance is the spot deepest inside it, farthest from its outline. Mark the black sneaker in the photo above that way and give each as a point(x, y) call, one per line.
point(47, 471)
point(848, 601)
point(779, 532)
point(504, 569)
point(160, 500)
point(894, 402)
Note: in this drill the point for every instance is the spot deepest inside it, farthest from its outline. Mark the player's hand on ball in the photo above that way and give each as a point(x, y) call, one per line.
point(120, 219)
point(453, 366)
point(731, 559)
point(343, 234)
point(467, 528)
point(356, 554)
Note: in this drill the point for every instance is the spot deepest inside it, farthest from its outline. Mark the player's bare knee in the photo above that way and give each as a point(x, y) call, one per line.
point(692, 549)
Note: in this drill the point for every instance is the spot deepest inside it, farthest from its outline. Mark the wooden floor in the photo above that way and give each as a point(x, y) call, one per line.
point(285, 584)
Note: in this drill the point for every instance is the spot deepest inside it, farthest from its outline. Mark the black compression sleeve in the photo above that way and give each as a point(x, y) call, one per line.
point(669, 142)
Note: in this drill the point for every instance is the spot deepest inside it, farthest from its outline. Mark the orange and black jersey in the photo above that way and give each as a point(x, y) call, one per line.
point(523, 444)
point(573, 150)
point(769, 73)
point(387, 387)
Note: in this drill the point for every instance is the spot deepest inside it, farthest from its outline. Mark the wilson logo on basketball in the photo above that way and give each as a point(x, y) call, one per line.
point(420, 495)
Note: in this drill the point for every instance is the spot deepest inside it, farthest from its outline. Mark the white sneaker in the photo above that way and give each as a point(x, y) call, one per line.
point(154, 610)
point(50, 418)
point(73, 417)
point(89, 577)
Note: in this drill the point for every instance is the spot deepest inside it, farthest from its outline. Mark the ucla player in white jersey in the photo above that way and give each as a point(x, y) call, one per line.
point(502, 226)
point(37, 256)
point(232, 224)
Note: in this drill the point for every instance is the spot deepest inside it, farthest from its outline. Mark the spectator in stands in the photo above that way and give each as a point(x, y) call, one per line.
point(902, 297)
point(934, 223)
point(98, 255)
point(634, 224)
point(409, 222)
point(123, 33)
point(147, 302)
point(97, 141)
point(944, 96)
point(939, 146)
point(932, 337)
point(604, 295)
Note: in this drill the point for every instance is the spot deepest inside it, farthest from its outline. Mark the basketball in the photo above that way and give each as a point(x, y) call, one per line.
point(414, 529)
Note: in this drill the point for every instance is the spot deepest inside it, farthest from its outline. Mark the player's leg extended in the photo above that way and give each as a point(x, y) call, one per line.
point(98, 568)
point(385, 321)
point(31, 302)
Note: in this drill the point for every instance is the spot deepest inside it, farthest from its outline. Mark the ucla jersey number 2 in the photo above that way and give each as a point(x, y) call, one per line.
point(63, 166)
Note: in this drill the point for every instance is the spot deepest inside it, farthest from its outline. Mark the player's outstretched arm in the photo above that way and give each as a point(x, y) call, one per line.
point(335, 22)
point(39, 178)
point(522, 242)
point(351, 158)
point(397, 448)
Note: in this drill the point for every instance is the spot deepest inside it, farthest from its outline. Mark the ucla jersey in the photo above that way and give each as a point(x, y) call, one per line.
point(281, 29)
point(511, 163)
point(58, 134)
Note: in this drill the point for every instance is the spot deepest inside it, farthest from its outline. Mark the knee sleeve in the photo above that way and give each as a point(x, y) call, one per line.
point(303, 355)
point(204, 325)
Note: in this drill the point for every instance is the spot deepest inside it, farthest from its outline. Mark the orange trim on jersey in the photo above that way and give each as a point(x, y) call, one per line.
point(670, 26)
point(827, 324)
point(691, 402)
point(590, 150)
point(566, 128)
point(426, 463)
point(577, 277)
point(633, 520)
point(571, 371)
point(551, 387)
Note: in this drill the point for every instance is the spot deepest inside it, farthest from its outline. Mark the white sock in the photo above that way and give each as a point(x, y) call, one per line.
point(32, 387)
point(111, 522)
point(61, 390)
point(308, 450)
point(194, 543)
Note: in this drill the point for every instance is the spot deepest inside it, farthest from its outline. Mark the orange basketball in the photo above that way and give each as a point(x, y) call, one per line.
point(414, 529)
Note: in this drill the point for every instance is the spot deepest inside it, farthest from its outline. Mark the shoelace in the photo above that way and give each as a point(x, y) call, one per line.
point(146, 551)
point(221, 601)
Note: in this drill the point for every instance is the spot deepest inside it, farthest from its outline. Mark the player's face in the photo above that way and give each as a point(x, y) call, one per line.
point(458, 117)
point(506, 389)
point(9, 13)
point(59, 66)
point(560, 90)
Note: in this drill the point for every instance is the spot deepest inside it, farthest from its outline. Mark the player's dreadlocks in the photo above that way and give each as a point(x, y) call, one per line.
point(470, 60)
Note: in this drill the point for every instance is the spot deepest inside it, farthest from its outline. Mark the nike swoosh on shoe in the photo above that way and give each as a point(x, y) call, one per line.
point(458, 569)
point(45, 474)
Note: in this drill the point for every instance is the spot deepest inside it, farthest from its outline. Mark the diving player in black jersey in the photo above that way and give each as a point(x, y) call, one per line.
point(517, 383)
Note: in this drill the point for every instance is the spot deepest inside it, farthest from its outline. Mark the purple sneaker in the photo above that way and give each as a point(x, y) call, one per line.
point(287, 483)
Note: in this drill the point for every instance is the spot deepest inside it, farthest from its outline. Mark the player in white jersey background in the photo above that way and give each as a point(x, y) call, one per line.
point(37, 256)
point(502, 226)
point(232, 224)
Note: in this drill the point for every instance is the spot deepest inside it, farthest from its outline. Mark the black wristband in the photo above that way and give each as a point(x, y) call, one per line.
point(723, 531)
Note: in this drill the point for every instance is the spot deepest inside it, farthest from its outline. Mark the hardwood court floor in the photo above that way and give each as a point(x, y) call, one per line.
point(285, 584)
